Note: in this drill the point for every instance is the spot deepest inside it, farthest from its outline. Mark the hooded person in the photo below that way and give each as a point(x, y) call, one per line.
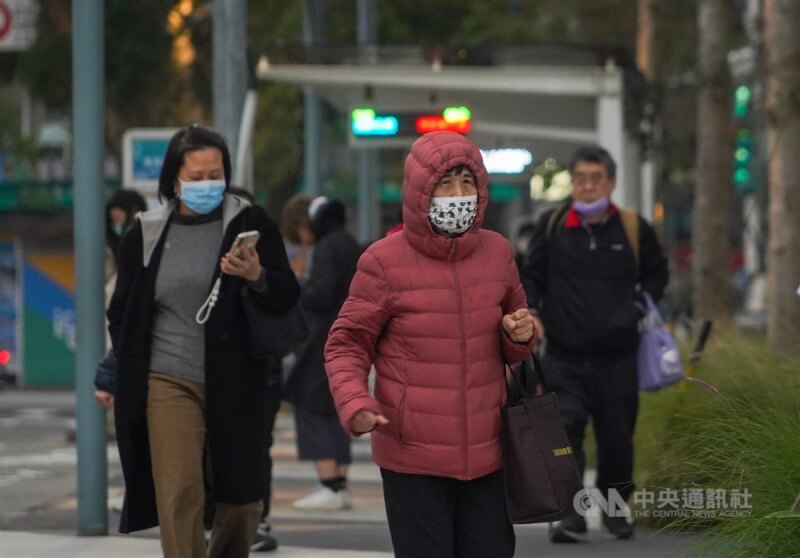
point(439, 310)
point(320, 437)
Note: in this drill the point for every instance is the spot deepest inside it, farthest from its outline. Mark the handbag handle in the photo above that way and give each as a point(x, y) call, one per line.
point(540, 387)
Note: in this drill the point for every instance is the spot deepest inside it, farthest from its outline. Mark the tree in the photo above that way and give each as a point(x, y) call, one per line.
point(782, 46)
point(138, 70)
point(712, 200)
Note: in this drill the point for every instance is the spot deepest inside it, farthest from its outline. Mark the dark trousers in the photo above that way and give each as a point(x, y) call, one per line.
point(274, 396)
point(608, 393)
point(273, 404)
point(438, 517)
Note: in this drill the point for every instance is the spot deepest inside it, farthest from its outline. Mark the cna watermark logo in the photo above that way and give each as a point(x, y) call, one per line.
point(667, 502)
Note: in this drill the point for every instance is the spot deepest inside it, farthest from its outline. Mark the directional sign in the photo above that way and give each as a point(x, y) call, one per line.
point(18, 24)
point(143, 151)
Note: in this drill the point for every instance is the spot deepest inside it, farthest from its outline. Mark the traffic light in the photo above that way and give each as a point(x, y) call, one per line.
point(743, 158)
point(743, 174)
point(741, 101)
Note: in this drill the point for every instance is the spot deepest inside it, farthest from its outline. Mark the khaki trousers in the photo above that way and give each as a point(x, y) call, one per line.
point(177, 431)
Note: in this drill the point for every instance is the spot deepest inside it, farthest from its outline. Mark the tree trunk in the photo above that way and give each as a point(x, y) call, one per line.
point(782, 49)
point(713, 188)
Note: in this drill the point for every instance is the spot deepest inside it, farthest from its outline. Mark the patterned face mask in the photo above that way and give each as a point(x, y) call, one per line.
point(453, 216)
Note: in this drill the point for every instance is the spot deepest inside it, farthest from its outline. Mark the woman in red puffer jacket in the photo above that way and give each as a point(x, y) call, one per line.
point(439, 309)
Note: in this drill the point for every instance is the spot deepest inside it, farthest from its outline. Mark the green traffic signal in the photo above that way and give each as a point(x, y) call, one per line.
point(742, 177)
point(742, 155)
point(743, 94)
point(741, 97)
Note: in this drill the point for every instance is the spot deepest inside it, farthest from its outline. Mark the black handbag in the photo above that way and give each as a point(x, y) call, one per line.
point(273, 335)
point(539, 469)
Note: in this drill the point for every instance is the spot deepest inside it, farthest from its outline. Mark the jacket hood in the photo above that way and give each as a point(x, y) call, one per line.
point(430, 158)
point(154, 222)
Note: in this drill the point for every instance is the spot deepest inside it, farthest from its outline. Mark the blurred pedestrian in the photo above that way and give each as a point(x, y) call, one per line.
point(320, 437)
point(186, 382)
point(521, 241)
point(121, 211)
point(398, 226)
point(296, 229)
point(585, 274)
point(439, 310)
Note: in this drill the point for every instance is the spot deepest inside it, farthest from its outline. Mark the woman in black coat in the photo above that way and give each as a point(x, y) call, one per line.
point(320, 436)
point(186, 383)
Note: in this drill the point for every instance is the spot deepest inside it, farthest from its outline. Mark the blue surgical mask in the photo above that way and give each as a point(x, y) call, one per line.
point(202, 196)
point(591, 209)
point(118, 228)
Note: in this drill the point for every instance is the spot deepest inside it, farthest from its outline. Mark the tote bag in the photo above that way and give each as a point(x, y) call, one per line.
point(539, 469)
point(658, 362)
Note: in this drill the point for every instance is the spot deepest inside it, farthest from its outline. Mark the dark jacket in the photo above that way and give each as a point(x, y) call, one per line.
point(105, 376)
point(333, 265)
point(587, 298)
point(235, 384)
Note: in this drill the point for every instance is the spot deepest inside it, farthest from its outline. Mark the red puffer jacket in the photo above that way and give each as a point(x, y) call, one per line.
point(427, 311)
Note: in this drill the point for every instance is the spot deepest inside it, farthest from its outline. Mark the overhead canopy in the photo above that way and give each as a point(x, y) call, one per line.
point(548, 109)
point(545, 109)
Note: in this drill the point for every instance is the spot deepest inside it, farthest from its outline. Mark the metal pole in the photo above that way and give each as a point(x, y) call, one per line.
point(241, 176)
point(312, 105)
point(367, 159)
point(312, 154)
point(88, 108)
point(229, 43)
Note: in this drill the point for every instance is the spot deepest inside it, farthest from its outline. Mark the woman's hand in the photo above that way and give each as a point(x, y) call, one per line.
point(519, 326)
point(367, 421)
point(105, 399)
point(247, 264)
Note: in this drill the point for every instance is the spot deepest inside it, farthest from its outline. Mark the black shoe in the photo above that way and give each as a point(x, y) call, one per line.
point(569, 530)
point(618, 526)
point(264, 541)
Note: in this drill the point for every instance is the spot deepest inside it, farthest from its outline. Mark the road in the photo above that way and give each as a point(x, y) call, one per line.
point(38, 494)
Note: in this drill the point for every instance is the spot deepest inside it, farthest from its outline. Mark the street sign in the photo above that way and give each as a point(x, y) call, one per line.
point(18, 24)
point(143, 151)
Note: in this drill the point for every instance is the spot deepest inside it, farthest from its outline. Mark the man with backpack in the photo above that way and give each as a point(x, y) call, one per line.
point(585, 273)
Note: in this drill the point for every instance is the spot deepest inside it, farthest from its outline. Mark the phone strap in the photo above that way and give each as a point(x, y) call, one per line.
point(205, 310)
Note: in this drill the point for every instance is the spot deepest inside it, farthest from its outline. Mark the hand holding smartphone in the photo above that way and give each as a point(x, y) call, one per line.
point(247, 239)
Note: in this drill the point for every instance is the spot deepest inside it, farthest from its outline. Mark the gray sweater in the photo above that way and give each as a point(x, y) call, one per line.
point(183, 283)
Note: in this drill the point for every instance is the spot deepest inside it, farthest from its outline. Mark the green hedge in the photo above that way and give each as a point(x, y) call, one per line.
point(749, 438)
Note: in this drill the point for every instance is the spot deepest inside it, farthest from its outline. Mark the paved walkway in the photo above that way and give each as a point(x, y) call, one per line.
point(46, 528)
point(15, 544)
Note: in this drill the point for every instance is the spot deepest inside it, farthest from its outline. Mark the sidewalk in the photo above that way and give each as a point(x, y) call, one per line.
point(15, 544)
point(44, 525)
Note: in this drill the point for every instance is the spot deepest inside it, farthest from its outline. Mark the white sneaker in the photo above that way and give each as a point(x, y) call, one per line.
point(348, 499)
point(115, 503)
point(323, 498)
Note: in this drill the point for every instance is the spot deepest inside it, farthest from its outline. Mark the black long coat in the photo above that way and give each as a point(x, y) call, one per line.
point(333, 266)
point(235, 383)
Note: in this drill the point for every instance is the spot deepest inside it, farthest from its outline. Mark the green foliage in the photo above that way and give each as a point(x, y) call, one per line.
point(278, 143)
point(138, 60)
point(46, 68)
point(22, 151)
point(271, 22)
point(747, 439)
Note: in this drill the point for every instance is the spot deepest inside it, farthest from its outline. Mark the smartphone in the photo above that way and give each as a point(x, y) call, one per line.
point(247, 239)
